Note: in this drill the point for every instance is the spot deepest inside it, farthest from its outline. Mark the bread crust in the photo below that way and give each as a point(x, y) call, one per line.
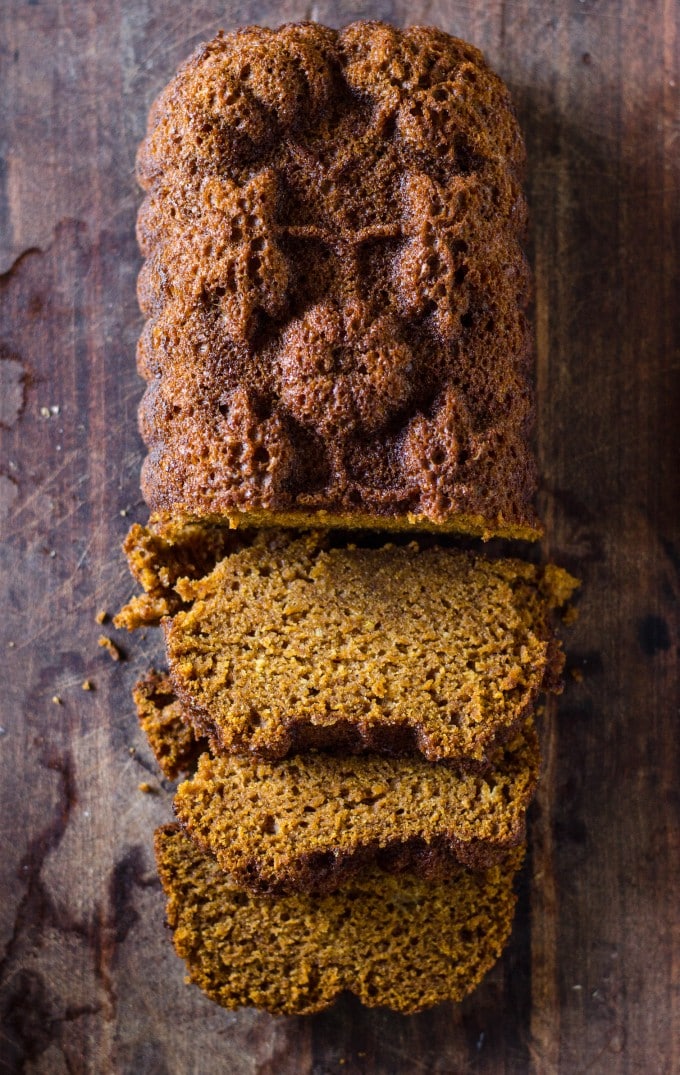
point(335, 286)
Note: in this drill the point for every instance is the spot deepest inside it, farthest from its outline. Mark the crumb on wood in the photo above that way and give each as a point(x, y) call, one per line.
point(577, 674)
point(56, 699)
point(146, 787)
point(102, 616)
point(114, 652)
point(87, 685)
point(132, 751)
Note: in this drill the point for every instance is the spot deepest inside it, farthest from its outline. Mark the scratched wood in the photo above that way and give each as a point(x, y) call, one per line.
point(88, 981)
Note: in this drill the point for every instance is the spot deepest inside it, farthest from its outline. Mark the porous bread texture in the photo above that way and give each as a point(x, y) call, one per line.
point(309, 822)
point(159, 557)
point(395, 942)
point(171, 738)
point(335, 286)
point(289, 645)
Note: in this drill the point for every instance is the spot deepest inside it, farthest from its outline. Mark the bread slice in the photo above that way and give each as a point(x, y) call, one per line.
point(171, 738)
point(307, 823)
point(289, 645)
point(158, 559)
point(396, 942)
point(335, 286)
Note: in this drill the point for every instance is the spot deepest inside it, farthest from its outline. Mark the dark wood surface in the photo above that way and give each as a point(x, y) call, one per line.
point(591, 980)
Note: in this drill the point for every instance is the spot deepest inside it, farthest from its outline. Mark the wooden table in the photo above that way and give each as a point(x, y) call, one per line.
point(591, 980)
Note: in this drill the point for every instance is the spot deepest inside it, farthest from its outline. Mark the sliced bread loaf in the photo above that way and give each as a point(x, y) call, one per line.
point(396, 942)
point(308, 822)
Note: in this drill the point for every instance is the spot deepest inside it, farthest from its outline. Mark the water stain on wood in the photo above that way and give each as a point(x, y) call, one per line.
point(653, 635)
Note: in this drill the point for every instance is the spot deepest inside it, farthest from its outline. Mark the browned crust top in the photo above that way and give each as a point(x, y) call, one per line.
point(334, 282)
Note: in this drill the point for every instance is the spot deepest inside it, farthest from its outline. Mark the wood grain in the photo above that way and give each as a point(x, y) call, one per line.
point(88, 981)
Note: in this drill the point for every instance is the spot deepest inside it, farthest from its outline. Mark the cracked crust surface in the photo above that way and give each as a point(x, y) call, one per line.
point(335, 287)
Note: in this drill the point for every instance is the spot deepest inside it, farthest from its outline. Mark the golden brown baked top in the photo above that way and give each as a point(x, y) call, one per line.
point(335, 285)
point(307, 823)
point(288, 645)
point(396, 942)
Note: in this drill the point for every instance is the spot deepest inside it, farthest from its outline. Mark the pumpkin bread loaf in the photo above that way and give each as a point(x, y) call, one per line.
point(396, 942)
point(335, 286)
point(336, 336)
point(308, 822)
point(289, 645)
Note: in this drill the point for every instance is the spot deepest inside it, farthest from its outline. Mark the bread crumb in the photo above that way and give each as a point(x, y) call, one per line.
point(123, 512)
point(44, 412)
point(11, 645)
point(102, 616)
point(87, 685)
point(132, 751)
point(147, 788)
point(56, 699)
point(577, 674)
point(111, 648)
